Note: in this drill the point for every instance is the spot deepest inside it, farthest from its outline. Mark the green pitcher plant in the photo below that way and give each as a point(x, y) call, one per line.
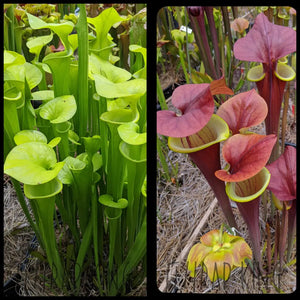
point(75, 124)
point(34, 164)
point(20, 77)
point(133, 148)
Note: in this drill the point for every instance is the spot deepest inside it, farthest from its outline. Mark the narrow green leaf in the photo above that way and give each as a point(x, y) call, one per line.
point(135, 254)
point(84, 246)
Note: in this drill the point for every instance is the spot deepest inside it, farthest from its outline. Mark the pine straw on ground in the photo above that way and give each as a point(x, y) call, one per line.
point(179, 211)
point(17, 237)
point(181, 207)
point(36, 276)
point(16, 230)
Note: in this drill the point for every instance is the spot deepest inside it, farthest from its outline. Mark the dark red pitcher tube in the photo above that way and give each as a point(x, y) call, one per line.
point(208, 161)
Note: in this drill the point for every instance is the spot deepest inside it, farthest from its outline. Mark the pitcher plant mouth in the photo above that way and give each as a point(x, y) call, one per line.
point(282, 71)
point(247, 178)
point(268, 44)
point(198, 132)
point(246, 156)
point(43, 191)
point(215, 131)
point(249, 189)
point(32, 163)
point(196, 105)
point(204, 150)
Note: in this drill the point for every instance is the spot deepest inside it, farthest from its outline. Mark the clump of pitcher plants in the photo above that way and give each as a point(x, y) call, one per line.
point(81, 153)
point(247, 175)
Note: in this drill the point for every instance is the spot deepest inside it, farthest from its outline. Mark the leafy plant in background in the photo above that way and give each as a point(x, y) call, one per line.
point(210, 54)
point(246, 174)
point(180, 37)
point(92, 172)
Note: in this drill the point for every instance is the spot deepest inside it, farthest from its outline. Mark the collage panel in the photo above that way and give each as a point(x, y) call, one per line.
point(75, 149)
point(83, 150)
point(226, 149)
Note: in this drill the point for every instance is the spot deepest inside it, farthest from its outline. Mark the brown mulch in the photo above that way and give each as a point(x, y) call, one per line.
point(16, 231)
